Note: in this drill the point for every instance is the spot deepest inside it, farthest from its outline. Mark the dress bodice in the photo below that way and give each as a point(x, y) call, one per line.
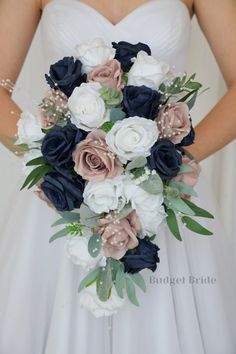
point(163, 24)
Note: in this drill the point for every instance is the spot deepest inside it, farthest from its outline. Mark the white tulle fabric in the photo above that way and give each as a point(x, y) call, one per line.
point(39, 308)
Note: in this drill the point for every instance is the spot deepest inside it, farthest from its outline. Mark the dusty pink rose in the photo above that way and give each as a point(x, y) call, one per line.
point(189, 178)
point(108, 74)
point(93, 160)
point(44, 198)
point(55, 100)
point(118, 236)
point(173, 122)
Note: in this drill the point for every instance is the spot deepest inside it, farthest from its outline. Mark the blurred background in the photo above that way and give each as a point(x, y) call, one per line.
point(220, 169)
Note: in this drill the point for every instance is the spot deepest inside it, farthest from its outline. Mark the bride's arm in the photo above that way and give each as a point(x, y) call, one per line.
point(18, 23)
point(217, 19)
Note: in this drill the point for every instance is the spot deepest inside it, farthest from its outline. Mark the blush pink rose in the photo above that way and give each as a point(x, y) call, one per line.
point(93, 160)
point(119, 236)
point(108, 74)
point(54, 102)
point(173, 122)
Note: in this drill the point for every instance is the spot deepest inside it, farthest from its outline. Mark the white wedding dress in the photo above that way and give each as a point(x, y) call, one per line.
point(40, 311)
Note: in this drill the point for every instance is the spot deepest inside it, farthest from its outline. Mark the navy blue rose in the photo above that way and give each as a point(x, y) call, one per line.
point(59, 143)
point(141, 101)
point(65, 75)
point(64, 192)
point(145, 255)
point(165, 159)
point(126, 51)
point(189, 139)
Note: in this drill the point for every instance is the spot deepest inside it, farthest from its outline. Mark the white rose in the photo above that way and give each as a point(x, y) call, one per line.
point(87, 107)
point(29, 129)
point(76, 248)
point(94, 53)
point(101, 197)
point(31, 155)
point(89, 300)
point(148, 207)
point(147, 71)
point(132, 137)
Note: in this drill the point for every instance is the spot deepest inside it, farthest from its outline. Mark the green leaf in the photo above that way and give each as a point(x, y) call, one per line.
point(192, 100)
point(90, 278)
point(150, 238)
point(116, 114)
point(120, 282)
point(106, 127)
point(185, 169)
point(183, 188)
point(104, 282)
point(38, 161)
point(94, 245)
point(173, 223)
point(37, 173)
point(183, 79)
point(70, 216)
point(87, 216)
point(193, 85)
point(195, 226)
point(153, 185)
point(139, 280)
point(178, 204)
point(183, 99)
point(191, 78)
point(59, 222)
point(130, 289)
point(124, 212)
point(199, 211)
point(140, 161)
point(59, 234)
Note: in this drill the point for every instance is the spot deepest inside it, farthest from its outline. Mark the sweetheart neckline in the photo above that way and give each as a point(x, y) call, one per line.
point(126, 17)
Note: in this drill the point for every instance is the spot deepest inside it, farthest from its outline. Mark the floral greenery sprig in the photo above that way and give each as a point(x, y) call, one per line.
point(183, 86)
point(112, 132)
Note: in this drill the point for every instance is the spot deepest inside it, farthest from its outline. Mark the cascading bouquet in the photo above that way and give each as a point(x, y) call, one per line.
point(107, 152)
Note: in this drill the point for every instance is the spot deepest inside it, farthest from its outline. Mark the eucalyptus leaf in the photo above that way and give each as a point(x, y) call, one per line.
point(70, 216)
point(59, 234)
point(124, 212)
point(185, 169)
point(91, 277)
point(173, 223)
point(139, 280)
point(117, 114)
point(152, 185)
point(130, 289)
point(194, 226)
point(183, 188)
point(104, 282)
point(120, 282)
point(59, 222)
point(199, 211)
point(87, 216)
point(94, 245)
point(140, 161)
